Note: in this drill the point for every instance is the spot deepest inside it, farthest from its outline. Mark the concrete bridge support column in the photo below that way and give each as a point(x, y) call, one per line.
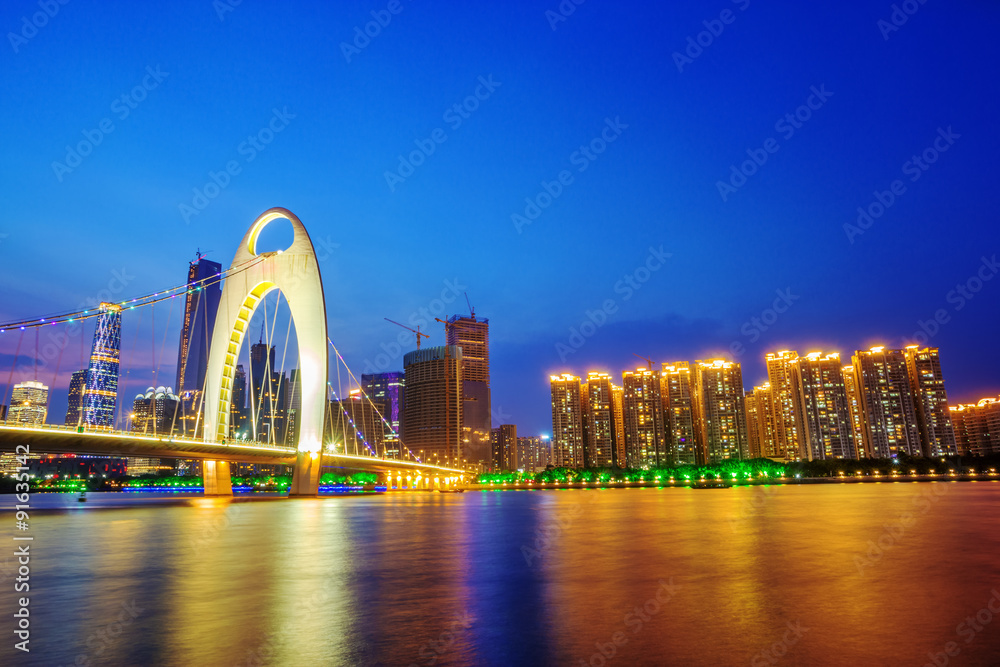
point(305, 479)
point(217, 478)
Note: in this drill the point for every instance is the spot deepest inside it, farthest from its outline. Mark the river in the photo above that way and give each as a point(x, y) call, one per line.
point(874, 574)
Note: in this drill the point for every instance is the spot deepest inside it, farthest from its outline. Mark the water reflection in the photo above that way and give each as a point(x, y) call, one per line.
point(539, 577)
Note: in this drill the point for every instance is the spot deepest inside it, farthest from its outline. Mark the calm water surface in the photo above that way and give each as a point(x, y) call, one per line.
point(677, 576)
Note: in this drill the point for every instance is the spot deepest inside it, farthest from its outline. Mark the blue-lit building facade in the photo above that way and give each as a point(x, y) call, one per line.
point(101, 389)
point(200, 309)
point(388, 392)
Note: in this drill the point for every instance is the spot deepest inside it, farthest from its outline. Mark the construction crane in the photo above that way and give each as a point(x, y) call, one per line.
point(646, 359)
point(416, 331)
point(472, 311)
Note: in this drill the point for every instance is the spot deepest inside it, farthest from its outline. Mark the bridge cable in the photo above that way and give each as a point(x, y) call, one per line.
point(9, 389)
point(374, 405)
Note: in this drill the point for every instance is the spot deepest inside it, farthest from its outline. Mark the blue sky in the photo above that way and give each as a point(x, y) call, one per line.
point(388, 251)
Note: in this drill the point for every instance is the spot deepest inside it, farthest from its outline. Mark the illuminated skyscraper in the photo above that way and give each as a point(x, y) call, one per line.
point(786, 427)
point(977, 427)
point(679, 412)
point(388, 389)
point(645, 427)
point(855, 408)
point(238, 406)
point(472, 335)
point(503, 440)
point(101, 390)
point(760, 423)
point(937, 436)
point(568, 440)
point(74, 410)
point(750, 402)
point(825, 430)
point(888, 412)
point(432, 418)
point(600, 429)
point(268, 396)
point(618, 407)
point(720, 416)
point(29, 403)
point(200, 308)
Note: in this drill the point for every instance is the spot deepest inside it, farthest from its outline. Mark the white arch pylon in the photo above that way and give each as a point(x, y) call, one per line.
point(295, 272)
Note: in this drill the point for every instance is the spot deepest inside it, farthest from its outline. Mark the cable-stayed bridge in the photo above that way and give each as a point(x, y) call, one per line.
point(252, 276)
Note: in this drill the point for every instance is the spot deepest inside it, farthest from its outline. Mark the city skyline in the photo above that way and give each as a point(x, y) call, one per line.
point(771, 267)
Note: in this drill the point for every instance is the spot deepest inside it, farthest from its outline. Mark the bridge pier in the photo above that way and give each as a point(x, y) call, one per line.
point(305, 478)
point(218, 480)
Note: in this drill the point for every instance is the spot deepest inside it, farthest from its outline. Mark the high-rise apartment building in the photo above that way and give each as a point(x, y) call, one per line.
point(678, 412)
point(200, 308)
point(977, 427)
point(888, 411)
point(74, 409)
point(855, 408)
point(760, 423)
point(101, 389)
point(720, 417)
point(29, 403)
point(937, 436)
point(568, 441)
point(825, 430)
point(750, 404)
point(432, 419)
point(786, 426)
point(533, 453)
point(472, 335)
point(503, 440)
point(645, 426)
point(601, 428)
